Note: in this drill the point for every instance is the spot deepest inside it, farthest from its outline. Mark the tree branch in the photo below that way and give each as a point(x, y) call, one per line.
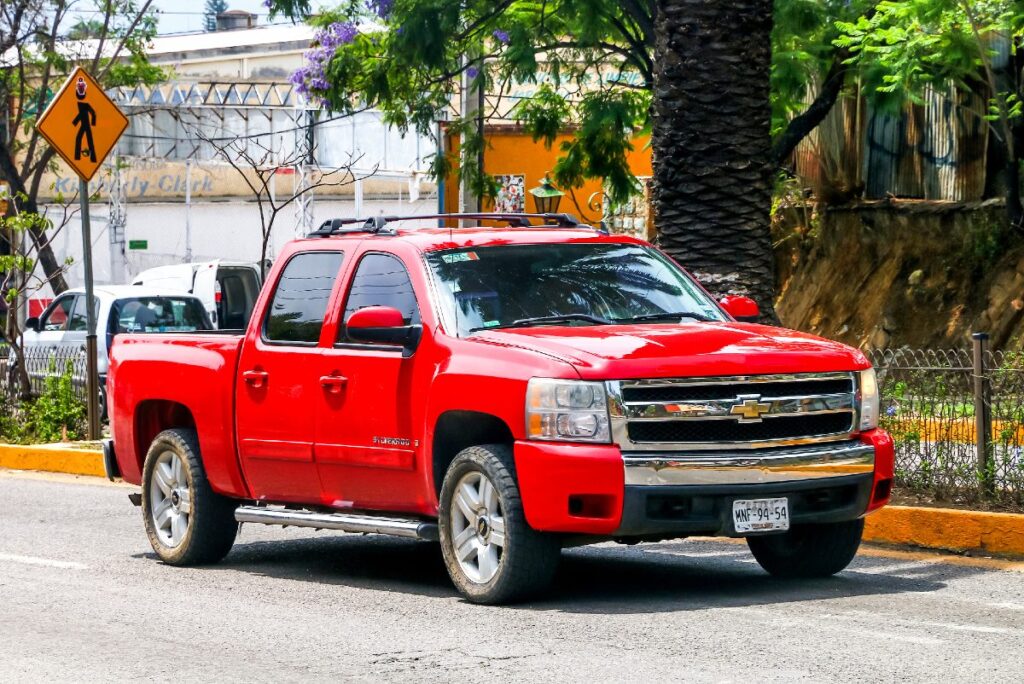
point(801, 126)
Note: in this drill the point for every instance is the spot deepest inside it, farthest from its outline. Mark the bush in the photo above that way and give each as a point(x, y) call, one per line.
point(58, 414)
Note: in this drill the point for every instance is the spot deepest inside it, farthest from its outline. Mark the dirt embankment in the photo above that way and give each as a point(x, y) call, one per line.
point(890, 274)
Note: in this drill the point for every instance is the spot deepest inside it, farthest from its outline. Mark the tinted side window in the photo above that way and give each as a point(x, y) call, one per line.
point(300, 300)
point(381, 280)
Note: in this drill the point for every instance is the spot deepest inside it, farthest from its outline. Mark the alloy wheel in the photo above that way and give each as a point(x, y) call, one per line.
point(477, 527)
point(170, 499)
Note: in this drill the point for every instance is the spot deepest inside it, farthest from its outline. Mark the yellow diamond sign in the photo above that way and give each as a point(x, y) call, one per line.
point(82, 123)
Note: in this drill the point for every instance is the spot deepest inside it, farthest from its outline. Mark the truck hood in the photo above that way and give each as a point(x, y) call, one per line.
point(680, 350)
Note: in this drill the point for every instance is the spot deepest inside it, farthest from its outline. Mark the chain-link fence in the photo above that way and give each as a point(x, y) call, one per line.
point(957, 417)
point(41, 363)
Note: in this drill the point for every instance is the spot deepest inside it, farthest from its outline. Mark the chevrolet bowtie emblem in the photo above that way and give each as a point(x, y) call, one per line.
point(749, 408)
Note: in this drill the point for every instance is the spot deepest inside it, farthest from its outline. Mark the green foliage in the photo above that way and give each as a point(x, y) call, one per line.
point(803, 48)
point(58, 414)
point(588, 60)
point(907, 45)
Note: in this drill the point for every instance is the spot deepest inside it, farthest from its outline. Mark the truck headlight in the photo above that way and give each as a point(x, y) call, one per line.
point(567, 411)
point(868, 388)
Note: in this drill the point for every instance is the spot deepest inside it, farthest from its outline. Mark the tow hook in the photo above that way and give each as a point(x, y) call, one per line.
point(135, 498)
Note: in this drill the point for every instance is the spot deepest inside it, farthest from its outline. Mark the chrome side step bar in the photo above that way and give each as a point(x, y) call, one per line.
point(346, 522)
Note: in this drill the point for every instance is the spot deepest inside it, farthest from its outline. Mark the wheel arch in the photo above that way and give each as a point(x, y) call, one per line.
point(456, 430)
point(152, 417)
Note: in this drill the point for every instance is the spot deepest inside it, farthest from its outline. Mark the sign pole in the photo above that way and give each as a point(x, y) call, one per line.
point(82, 125)
point(92, 384)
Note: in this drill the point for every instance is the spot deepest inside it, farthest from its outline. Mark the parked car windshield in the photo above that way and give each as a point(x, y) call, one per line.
point(159, 314)
point(565, 284)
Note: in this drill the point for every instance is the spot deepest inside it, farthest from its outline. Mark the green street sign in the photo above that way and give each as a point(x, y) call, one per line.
point(138, 244)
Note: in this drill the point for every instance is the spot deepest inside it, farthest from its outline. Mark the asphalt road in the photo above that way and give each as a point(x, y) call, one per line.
point(83, 598)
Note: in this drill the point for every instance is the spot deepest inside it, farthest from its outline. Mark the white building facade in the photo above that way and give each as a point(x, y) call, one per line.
point(167, 197)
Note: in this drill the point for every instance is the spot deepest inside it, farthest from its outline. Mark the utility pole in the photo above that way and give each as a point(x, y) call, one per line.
point(117, 220)
point(188, 210)
point(473, 108)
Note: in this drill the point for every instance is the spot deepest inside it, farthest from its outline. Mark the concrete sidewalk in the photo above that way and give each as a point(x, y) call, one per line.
point(976, 532)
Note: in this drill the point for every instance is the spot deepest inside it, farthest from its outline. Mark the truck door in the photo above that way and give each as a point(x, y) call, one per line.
point(278, 392)
point(368, 422)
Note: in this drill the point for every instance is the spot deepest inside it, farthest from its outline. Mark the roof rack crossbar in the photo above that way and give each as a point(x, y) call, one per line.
point(377, 224)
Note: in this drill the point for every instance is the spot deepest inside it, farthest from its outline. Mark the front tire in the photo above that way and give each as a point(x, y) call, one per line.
point(186, 521)
point(809, 550)
point(493, 556)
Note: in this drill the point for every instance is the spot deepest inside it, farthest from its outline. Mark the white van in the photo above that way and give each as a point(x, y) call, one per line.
point(228, 290)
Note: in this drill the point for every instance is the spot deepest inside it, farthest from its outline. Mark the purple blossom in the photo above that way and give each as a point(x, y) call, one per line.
point(312, 76)
point(890, 411)
point(382, 8)
point(472, 72)
point(268, 3)
point(502, 36)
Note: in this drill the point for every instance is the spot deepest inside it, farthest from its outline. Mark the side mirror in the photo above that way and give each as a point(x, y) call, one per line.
point(383, 325)
point(743, 309)
point(32, 324)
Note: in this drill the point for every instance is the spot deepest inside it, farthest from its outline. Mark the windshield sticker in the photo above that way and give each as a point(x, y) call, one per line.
point(459, 256)
point(491, 324)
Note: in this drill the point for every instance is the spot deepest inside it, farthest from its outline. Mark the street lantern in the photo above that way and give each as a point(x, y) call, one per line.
point(546, 196)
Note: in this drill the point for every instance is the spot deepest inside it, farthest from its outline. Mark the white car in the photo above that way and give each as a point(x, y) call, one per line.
point(61, 328)
point(228, 290)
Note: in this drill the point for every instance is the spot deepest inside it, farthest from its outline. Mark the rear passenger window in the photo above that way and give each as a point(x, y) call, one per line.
point(300, 299)
point(381, 280)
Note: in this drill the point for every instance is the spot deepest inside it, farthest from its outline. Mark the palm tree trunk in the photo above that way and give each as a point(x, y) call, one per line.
point(711, 141)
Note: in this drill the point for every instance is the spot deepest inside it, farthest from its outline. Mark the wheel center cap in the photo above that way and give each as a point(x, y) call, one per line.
point(175, 498)
point(483, 528)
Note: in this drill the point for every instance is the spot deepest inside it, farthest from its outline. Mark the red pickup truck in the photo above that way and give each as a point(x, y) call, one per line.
point(507, 390)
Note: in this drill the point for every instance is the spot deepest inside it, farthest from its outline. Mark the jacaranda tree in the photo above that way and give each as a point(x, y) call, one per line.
point(695, 75)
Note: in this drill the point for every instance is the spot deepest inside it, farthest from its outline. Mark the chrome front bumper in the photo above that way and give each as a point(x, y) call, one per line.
point(755, 466)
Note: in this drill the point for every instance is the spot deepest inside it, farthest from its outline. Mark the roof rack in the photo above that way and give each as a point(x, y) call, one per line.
point(379, 224)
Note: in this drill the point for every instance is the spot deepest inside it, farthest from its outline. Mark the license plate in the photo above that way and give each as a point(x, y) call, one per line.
point(760, 515)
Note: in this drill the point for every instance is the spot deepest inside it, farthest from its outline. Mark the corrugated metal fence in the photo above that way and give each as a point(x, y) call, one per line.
point(933, 150)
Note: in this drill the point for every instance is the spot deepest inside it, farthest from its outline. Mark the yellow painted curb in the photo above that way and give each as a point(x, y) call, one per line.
point(947, 529)
point(53, 458)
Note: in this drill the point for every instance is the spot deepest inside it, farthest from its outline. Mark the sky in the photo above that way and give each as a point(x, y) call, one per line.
point(182, 16)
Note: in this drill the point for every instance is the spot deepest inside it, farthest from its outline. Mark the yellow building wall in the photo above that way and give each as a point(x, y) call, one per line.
point(511, 151)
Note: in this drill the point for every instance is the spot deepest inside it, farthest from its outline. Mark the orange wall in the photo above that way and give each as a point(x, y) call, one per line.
point(511, 151)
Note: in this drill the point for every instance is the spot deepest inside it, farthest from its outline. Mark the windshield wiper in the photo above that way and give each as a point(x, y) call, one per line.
point(541, 320)
point(667, 315)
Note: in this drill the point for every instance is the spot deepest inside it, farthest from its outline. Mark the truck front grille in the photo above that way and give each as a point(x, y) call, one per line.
point(730, 431)
point(749, 411)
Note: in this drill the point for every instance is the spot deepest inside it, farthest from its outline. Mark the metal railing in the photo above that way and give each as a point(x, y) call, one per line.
point(957, 417)
point(44, 362)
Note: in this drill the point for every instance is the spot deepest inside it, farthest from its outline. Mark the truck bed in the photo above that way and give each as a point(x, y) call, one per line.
point(168, 372)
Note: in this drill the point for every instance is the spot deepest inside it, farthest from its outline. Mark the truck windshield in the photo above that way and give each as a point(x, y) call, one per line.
point(566, 284)
point(158, 314)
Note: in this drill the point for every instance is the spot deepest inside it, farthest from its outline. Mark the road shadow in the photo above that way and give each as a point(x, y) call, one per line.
point(651, 578)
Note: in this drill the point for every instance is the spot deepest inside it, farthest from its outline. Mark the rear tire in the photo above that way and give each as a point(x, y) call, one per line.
point(492, 554)
point(809, 550)
point(186, 521)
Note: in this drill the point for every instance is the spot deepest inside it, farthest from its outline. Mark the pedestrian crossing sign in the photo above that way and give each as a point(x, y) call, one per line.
point(82, 123)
